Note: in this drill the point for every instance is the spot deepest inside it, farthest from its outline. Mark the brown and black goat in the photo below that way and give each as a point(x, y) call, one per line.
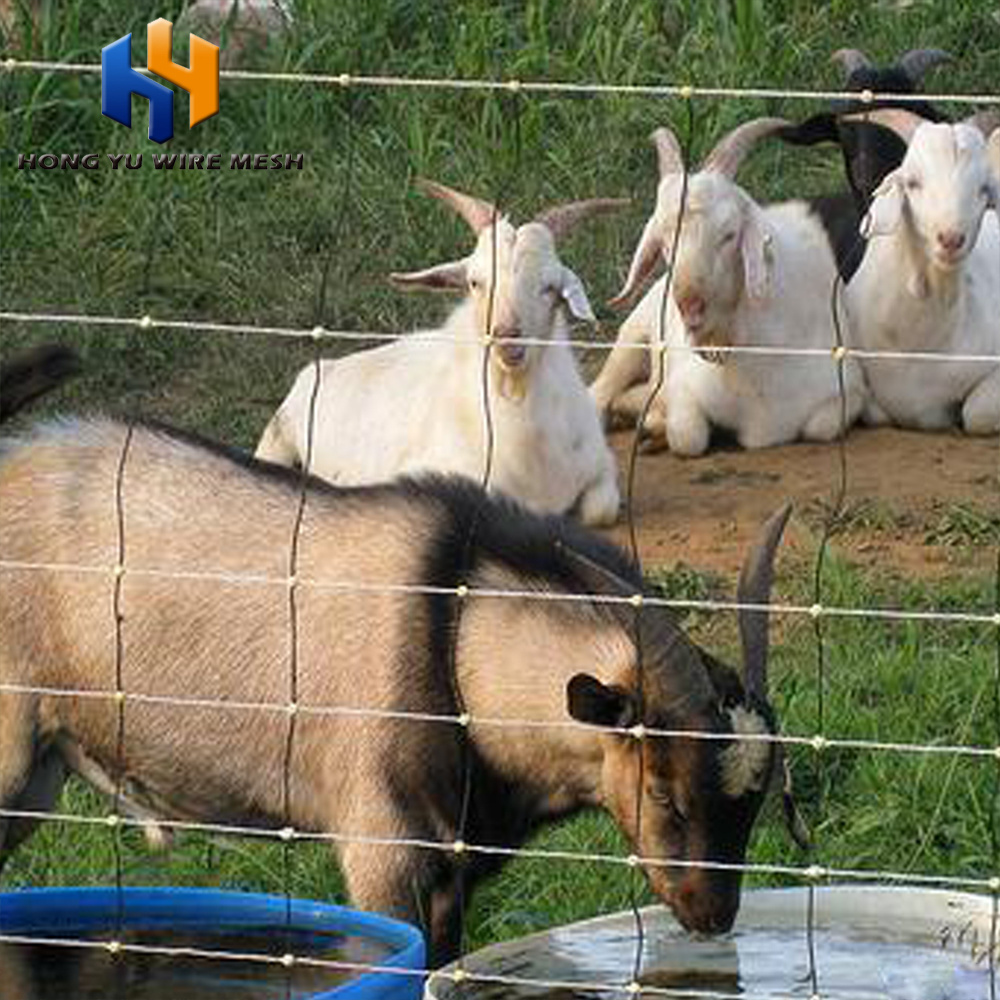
point(385, 628)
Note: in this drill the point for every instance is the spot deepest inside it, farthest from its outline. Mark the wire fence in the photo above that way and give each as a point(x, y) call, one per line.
point(292, 709)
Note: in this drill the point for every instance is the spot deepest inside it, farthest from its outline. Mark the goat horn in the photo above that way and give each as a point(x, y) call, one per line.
point(904, 123)
point(560, 219)
point(986, 120)
point(733, 148)
point(755, 588)
point(477, 213)
point(851, 60)
point(917, 62)
point(668, 152)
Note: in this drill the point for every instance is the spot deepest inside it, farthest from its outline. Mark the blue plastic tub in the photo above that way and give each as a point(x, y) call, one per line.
point(86, 912)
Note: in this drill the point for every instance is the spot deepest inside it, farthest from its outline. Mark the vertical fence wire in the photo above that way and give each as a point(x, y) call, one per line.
point(658, 365)
point(994, 825)
point(500, 201)
point(305, 476)
point(834, 513)
point(119, 671)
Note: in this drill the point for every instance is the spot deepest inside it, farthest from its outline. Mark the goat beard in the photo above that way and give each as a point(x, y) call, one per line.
point(513, 382)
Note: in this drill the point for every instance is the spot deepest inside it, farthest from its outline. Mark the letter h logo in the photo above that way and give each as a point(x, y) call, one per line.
point(119, 81)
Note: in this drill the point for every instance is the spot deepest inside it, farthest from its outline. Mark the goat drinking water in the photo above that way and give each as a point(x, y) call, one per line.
point(392, 654)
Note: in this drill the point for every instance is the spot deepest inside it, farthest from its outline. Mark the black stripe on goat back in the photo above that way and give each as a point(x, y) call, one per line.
point(482, 529)
point(479, 530)
point(34, 372)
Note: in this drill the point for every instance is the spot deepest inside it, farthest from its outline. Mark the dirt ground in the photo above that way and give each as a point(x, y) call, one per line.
point(915, 503)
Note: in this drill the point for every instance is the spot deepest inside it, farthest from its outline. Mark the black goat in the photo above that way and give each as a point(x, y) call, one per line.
point(870, 151)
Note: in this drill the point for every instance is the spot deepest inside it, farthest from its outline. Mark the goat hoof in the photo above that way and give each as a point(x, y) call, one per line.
point(653, 443)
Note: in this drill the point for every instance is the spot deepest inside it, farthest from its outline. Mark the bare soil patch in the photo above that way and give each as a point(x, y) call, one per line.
point(924, 504)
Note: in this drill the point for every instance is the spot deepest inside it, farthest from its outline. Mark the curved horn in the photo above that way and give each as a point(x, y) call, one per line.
point(904, 123)
point(917, 62)
point(986, 120)
point(755, 588)
point(478, 214)
point(851, 60)
point(732, 149)
point(669, 157)
point(644, 260)
point(560, 219)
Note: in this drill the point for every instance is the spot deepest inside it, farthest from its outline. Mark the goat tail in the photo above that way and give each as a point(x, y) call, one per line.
point(34, 372)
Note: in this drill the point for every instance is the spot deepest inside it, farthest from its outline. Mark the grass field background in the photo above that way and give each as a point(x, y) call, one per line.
point(298, 248)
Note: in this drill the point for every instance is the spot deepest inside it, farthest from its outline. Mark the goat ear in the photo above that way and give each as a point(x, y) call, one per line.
point(886, 207)
point(755, 246)
point(442, 278)
point(646, 256)
point(590, 701)
point(575, 297)
point(993, 158)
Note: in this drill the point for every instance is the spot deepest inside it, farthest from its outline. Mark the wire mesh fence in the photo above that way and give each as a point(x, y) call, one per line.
point(820, 613)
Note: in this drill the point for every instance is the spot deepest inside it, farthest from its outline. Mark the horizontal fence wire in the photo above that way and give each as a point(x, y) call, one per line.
point(458, 976)
point(462, 591)
point(818, 742)
point(515, 86)
point(813, 874)
point(837, 354)
point(807, 873)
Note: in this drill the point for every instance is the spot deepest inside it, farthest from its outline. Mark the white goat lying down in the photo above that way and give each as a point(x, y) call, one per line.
point(744, 276)
point(417, 404)
point(930, 280)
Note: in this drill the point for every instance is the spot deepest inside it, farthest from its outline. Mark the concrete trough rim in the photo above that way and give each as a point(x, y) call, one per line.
point(920, 915)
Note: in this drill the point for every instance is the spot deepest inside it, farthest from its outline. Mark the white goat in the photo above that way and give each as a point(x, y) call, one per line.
point(930, 280)
point(417, 404)
point(743, 276)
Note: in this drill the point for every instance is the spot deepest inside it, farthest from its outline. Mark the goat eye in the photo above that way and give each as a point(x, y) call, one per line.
point(665, 800)
point(727, 239)
point(913, 184)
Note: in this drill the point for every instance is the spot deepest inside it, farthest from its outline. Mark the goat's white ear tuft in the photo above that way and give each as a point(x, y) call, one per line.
point(442, 278)
point(886, 207)
point(755, 246)
point(575, 297)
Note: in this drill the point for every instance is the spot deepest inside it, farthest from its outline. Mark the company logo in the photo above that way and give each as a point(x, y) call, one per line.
point(119, 80)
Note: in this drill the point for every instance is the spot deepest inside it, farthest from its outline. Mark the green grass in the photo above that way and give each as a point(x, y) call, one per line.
point(299, 248)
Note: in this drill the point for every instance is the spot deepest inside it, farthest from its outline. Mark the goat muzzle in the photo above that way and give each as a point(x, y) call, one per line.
point(950, 248)
point(706, 902)
point(511, 350)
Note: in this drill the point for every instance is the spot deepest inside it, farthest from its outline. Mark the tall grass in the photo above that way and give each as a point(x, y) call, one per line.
point(313, 246)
